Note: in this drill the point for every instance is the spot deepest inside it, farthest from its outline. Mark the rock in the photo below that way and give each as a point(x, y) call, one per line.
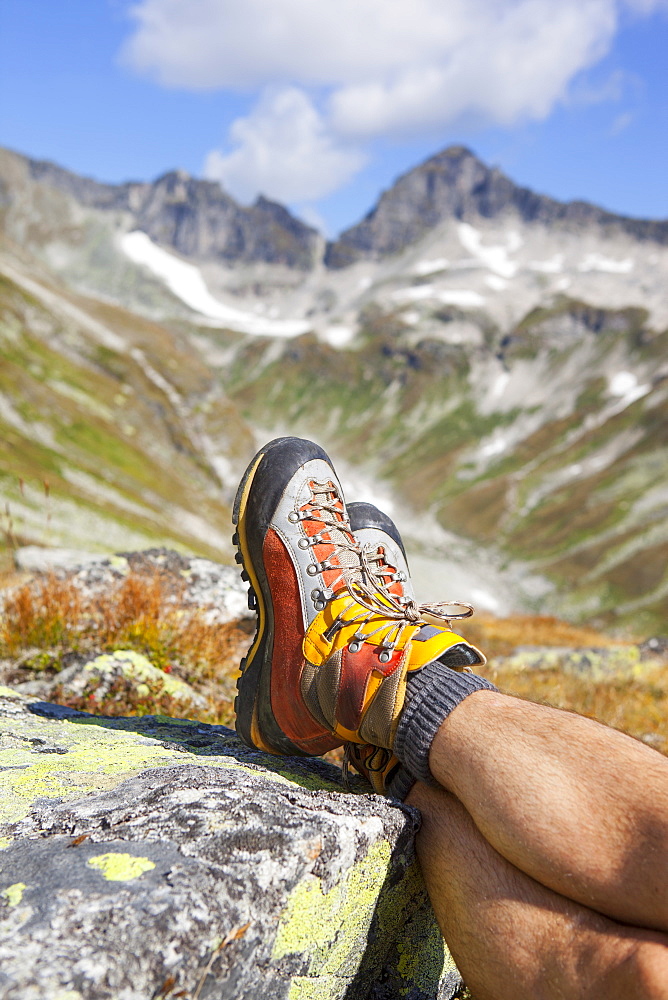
point(195, 217)
point(155, 857)
point(199, 583)
point(96, 677)
point(597, 663)
point(39, 559)
point(456, 185)
point(99, 674)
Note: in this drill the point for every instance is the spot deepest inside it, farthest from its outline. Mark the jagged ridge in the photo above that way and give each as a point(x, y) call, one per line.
point(195, 217)
point(456, 184)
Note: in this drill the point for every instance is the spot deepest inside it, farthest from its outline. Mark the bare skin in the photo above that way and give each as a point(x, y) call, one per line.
point(581, 808)
point(512, 938)
point(545, 853)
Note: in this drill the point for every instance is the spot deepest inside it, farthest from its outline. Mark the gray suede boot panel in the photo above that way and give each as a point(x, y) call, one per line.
point(431, 694)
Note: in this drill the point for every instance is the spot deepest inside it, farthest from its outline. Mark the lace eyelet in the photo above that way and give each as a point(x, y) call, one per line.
point(293, 517)
point(355, 645)
point(303, 543)
point(312, 569)
point(319, 605)
point(385, 656)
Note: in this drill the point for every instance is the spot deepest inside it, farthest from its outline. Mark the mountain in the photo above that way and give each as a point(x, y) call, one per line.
point(113, 433)
point(490, 361)
point(455, 184)
point(195, 217)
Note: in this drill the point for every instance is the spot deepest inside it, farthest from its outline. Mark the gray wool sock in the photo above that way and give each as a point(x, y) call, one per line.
point(431, 694)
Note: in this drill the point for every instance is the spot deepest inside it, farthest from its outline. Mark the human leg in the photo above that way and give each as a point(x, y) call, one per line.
point(579, 807)
point(334, 663)
point(514, 939)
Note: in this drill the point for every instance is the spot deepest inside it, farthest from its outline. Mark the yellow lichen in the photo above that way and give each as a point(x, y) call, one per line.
point(118, 867)
point(306, 988)
point(5, 842)
point(332, 926)
point(137, 667)
point(99, 757)
point(14, 893)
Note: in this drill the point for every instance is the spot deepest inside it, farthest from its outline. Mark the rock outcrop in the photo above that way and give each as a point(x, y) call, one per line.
point(156, 857)
point(195, 217)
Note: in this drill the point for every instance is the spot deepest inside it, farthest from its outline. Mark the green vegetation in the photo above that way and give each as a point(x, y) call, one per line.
point(113, 435)
point(573, 487)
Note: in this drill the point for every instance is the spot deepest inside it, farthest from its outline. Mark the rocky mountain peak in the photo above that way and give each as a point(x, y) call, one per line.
point(198, 218)
point(455, 184)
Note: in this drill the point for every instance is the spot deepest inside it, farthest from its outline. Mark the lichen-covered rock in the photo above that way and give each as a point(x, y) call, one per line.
point(99, 674)
point(597, 663)
point(154, 857)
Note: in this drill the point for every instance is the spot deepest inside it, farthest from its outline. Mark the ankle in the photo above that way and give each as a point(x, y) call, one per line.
point(432, 694)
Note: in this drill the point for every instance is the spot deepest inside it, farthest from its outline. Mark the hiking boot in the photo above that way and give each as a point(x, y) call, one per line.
point(337, 632)
point(381, 542)
point(381, 539)
point(377, 765)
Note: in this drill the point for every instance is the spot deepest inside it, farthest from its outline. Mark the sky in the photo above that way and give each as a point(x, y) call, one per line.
point(321, 104)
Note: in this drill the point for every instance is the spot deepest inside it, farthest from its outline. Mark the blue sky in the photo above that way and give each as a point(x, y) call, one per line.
point(321, 105)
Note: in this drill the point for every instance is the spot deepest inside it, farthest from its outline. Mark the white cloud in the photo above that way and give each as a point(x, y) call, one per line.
point(283, 150)
point(391, 65)
point(376, 67)
point(621, 123)
point(511, 61)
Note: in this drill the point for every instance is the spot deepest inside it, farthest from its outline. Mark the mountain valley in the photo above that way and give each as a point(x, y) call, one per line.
point(497, 359)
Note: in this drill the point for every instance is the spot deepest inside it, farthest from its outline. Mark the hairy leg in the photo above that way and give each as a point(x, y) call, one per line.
point(512, 938)
point(581, 808)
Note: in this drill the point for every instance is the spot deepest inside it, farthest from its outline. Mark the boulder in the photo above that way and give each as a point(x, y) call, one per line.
point(155, 857)
point(597, 663)
point(94, 680)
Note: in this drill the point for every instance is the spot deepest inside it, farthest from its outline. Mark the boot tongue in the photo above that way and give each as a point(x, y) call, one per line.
point(340, 547)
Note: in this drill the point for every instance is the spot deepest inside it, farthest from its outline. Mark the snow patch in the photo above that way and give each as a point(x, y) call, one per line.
point(415, 294)
point(622, 382)
point(431, 266)
point(495, 282)
point(495, 257)
point(625, 386)
point(450, 297)
point(496, 445)
point(552, 266)
point(337, 335)
point(597, 262)
point(186, 282)
point(500, 383)
point(462, 298)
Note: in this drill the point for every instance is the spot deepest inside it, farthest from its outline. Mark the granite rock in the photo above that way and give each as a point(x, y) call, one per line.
point(157, 857)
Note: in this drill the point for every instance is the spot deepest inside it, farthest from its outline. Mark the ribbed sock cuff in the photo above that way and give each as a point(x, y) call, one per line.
point(400, 783)
point(431, 694)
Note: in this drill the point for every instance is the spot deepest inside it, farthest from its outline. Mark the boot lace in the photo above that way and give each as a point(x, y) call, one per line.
point(363, 572)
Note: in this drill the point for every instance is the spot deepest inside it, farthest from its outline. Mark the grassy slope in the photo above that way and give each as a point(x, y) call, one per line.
point(103, 442)
point(411, 411)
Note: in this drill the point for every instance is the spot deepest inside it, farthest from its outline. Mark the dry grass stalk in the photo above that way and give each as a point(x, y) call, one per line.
point(44, 620)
